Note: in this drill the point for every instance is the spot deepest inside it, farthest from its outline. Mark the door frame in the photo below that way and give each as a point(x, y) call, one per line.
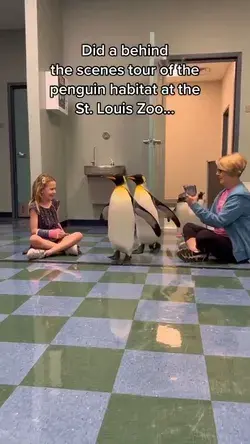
point(216, 58)
point(11, 87)
point(225, 113)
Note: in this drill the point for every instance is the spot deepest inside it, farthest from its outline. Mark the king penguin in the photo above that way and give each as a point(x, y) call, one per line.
point(120, 213)
point(184, 212)
point(145, 234)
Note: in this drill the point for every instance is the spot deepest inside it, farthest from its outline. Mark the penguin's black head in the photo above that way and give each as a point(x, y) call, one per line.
point(138, 179)
point(182, 198)
point(118, 179)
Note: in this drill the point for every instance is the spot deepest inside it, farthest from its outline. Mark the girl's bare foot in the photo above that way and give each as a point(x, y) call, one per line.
point(49, 253)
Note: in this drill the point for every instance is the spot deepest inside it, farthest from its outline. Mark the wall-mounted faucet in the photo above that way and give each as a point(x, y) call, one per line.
point(93, 163)
point(94, 157)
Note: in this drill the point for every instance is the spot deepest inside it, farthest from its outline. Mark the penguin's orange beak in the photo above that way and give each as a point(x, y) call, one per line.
point(110, 177)
point(131, 178)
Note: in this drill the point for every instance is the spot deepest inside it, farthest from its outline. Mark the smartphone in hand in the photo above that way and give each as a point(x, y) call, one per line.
point(190, 190)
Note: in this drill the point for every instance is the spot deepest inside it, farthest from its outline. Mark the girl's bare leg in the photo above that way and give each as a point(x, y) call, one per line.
point(67, 242)
point(39, 243)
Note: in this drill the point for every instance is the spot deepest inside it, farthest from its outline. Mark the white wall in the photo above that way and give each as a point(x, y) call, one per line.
point(196, 26)
point(189, 27)
point(50, 51)
point(44, 47)
point(12, 50)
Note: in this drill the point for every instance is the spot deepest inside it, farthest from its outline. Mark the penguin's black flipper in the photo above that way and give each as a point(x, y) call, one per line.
point(105, 213)
point(170, 215)
point(166, 210)
point(148, 217)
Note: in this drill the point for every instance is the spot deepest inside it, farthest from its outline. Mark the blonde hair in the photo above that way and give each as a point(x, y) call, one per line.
point(37, 188)
point(233, 164)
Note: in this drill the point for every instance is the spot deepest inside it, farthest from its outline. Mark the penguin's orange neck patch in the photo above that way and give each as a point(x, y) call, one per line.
point(140, 189)
point(121, 189)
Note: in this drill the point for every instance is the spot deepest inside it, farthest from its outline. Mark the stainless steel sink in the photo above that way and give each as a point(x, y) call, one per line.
point(104, 170)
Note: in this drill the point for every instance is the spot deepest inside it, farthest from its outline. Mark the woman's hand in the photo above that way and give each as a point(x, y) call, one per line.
point(191, 199)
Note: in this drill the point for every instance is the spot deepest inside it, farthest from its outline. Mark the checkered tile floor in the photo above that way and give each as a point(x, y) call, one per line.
point(95, 249)
point(93, 353)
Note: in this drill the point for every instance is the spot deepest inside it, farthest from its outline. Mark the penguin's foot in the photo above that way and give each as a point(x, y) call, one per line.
point(126, 260)
point(155, 248)
point(140, 249)
point(116, 256)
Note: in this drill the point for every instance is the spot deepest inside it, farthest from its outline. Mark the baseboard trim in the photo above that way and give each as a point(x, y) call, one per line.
point(84, 223)
point(6, 214)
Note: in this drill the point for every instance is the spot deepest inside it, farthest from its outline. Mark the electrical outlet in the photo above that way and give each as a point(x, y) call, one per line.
point(247, 108)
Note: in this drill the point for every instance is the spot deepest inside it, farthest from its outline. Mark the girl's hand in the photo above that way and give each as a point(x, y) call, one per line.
point(191, 199)
point(61, 234)
point(57, 234)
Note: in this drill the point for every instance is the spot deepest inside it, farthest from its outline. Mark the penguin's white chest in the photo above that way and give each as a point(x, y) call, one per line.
point(121, 221)
point(145, 233)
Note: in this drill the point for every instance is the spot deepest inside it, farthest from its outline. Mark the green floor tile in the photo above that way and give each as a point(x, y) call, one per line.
point(63, 258)
point(10, 303)
point(107, 308)
point(106, 251)
point(11, 264)
point(170, 253)
point(87, 244)
point(209, 264)
point(11, 238)
point(98, 235)
point(217, 282)
point(78, 289)
point(173, 294)
point(170, 270)
point(38, 329)
point(159, 254)
point(88, 267)
point(242, 273)
point(5, 392)
point(39, 274)
point(224, 315)
point(22, 241)
point(4, 255)
point(76, 368)
point(229, 378)
point(72, 230)
point(173, 338)
point(141, 420)
point(123, 277)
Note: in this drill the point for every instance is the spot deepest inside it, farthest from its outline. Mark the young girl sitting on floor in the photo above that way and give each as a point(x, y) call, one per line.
point(47, 235)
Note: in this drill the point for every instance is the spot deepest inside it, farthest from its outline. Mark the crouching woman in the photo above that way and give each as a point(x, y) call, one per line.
point(228, 240)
